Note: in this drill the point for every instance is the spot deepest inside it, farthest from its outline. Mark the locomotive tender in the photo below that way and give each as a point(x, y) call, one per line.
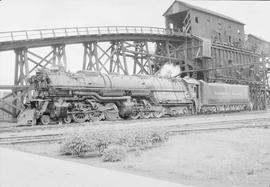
point(90, 96)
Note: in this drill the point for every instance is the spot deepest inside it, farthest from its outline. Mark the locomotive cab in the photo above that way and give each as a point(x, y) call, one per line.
point(193, 89)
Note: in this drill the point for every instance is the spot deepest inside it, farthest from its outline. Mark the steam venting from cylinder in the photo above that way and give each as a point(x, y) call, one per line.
point(169, 70)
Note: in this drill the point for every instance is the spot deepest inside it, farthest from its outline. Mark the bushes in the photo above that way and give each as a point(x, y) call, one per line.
point(158, 137)
point(114, 153)
point(145, 139)
point(112, 146)
point(77, 144)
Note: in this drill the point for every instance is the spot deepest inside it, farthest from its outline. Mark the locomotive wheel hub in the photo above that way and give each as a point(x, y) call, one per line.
point(67, 119)
point(145, 115)
point(134, 115)
point(96, 116)
point(45, 119)
point(157, 114)
point(79, 117)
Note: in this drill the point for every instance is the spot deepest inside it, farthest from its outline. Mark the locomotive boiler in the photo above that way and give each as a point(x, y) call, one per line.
point(91, 96)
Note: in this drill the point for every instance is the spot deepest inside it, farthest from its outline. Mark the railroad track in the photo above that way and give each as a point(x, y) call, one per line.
point(31, 139)
point(172, 130)
point(200, 130)
point(14, 128)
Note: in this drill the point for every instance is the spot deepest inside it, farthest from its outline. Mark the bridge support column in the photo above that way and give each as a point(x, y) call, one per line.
point(90, 57)
point(21, 67)
point(59, 56)
point(143, 60)
point(128, 57)
point(105, 58)
point(12, 103)
point(170, 50)
point(21, 76)
point(185, 54)
point(118, 61)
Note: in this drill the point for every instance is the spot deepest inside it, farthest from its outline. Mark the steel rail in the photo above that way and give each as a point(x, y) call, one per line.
point(216, 129)
point(60, 137)
point(31, 139)
point(172, 130)
point(14, 128)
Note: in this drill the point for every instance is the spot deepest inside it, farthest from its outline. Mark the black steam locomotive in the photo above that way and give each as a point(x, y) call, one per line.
point(90, 96)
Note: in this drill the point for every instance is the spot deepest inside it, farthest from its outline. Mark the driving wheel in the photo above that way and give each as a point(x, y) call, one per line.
point(96, 116)
point(78, 116)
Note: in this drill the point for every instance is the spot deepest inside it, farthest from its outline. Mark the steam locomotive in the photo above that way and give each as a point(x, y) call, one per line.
point(90, 96)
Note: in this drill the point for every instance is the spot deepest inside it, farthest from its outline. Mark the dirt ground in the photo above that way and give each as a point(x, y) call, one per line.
point(223, 158)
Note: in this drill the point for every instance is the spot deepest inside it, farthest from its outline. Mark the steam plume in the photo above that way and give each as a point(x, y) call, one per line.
point(169, 70)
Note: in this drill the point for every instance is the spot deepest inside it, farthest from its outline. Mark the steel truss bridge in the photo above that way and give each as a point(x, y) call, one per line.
point(114, 49)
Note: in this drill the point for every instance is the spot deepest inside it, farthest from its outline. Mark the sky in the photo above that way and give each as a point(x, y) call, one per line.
point(36, 14)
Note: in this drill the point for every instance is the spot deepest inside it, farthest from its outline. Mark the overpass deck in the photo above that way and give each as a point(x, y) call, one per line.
point(47, 37)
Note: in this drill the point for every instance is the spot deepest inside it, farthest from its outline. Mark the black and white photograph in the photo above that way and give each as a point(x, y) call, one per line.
point(133, 93)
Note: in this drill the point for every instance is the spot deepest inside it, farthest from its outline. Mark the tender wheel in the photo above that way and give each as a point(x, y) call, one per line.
point(218, 109)
point(79, 117)
point(134, 115)
point(45, 119)
point(67, 120)
point(145, 115)
point(227, 109)
point(185, 111)
point(178, 113)
point(157, 114)
point(214, 109)
point(174, 113)
point(222, 108)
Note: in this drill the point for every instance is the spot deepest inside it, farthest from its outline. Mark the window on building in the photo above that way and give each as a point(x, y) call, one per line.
point(196, 19)
point(238, 31)
point(230, 39)
point(219, 26)
point(240, 43)
point(219, 36)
